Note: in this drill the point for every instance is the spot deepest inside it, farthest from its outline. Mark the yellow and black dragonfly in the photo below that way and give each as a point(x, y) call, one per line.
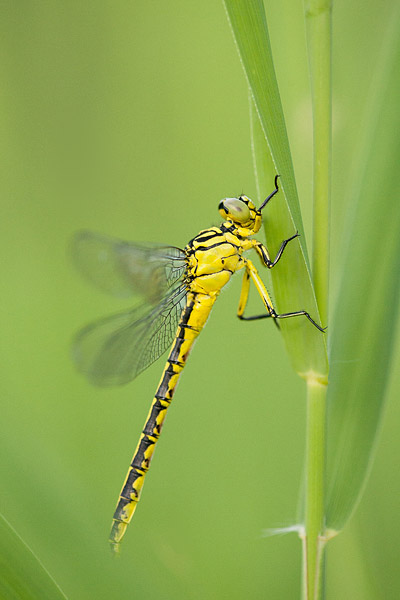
point(178, 289)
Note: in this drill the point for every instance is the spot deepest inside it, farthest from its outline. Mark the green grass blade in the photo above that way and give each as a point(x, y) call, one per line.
point(22, 576)
point(291, 278)
point(369, 294)
point(250, 32)
point(318, 16)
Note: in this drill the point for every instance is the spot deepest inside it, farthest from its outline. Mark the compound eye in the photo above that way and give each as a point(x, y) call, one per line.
point(237, 209)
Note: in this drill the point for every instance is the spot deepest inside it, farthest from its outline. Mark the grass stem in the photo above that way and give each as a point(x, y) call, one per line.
point(315, 475)
point(318, 16)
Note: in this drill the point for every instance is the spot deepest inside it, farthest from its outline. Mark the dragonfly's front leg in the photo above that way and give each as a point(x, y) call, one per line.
point(263, 253)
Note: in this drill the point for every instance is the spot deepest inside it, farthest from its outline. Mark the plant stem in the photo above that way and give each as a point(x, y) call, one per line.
point(318, 15)
point(314, 505)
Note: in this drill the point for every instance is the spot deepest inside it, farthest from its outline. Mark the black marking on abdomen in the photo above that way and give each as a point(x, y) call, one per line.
point(164, 391)
point(139, 461)
point(151, 427)
point(123, 501)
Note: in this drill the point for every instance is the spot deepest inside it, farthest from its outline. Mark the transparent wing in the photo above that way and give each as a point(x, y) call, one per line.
point(116, 349)
point(125, 269)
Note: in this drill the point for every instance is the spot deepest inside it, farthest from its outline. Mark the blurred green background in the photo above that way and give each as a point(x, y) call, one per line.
point(131, 119)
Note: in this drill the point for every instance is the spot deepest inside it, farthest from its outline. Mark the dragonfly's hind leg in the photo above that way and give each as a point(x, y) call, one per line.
point(251, 271)
point(299, 313)
point(244, 296)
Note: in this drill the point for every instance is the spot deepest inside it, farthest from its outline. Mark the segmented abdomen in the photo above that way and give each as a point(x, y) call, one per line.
point(194, 316)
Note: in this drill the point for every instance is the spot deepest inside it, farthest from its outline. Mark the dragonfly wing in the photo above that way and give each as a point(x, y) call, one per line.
point(116, 349)
point(125, 269)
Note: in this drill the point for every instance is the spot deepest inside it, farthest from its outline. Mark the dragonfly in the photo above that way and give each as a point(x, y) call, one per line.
point(177, 289)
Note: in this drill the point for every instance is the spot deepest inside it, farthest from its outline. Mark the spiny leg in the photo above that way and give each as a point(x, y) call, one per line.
point(264, 254)
point(299, 313)
point(244, 296)
point(251, 271)
point(272, 194)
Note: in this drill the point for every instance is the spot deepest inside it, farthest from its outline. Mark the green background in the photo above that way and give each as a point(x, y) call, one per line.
point(131, 119)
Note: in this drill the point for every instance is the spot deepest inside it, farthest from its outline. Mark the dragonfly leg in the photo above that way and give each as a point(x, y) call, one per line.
point(272, 194)
point(252, 272)
point(264, 254)
point(244, 295)
point(299, 313)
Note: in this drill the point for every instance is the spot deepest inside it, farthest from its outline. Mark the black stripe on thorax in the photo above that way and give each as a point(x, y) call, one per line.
point(205, 248)
point(204, 275)
point(226, 229)
point(231, 229)
point(205, 238)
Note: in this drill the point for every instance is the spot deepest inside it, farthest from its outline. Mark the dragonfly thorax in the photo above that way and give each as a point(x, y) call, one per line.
point(213, 256)
point(242, 213)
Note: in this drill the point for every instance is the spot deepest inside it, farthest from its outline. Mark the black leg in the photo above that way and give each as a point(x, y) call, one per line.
point(271, 263)
point(298, 313)
point(275, 316)
point(257, 317)
point(276, 190)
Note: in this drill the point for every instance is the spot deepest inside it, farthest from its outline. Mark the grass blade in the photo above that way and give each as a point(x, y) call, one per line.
point(318, 15)
point(291, 278)
point(22, 576)
point(368, 301)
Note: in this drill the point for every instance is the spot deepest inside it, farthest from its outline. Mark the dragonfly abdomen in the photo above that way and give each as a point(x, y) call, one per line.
point(194, 316)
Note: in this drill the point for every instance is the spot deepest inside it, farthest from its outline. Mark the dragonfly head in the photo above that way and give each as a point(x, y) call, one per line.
point(242, 213)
